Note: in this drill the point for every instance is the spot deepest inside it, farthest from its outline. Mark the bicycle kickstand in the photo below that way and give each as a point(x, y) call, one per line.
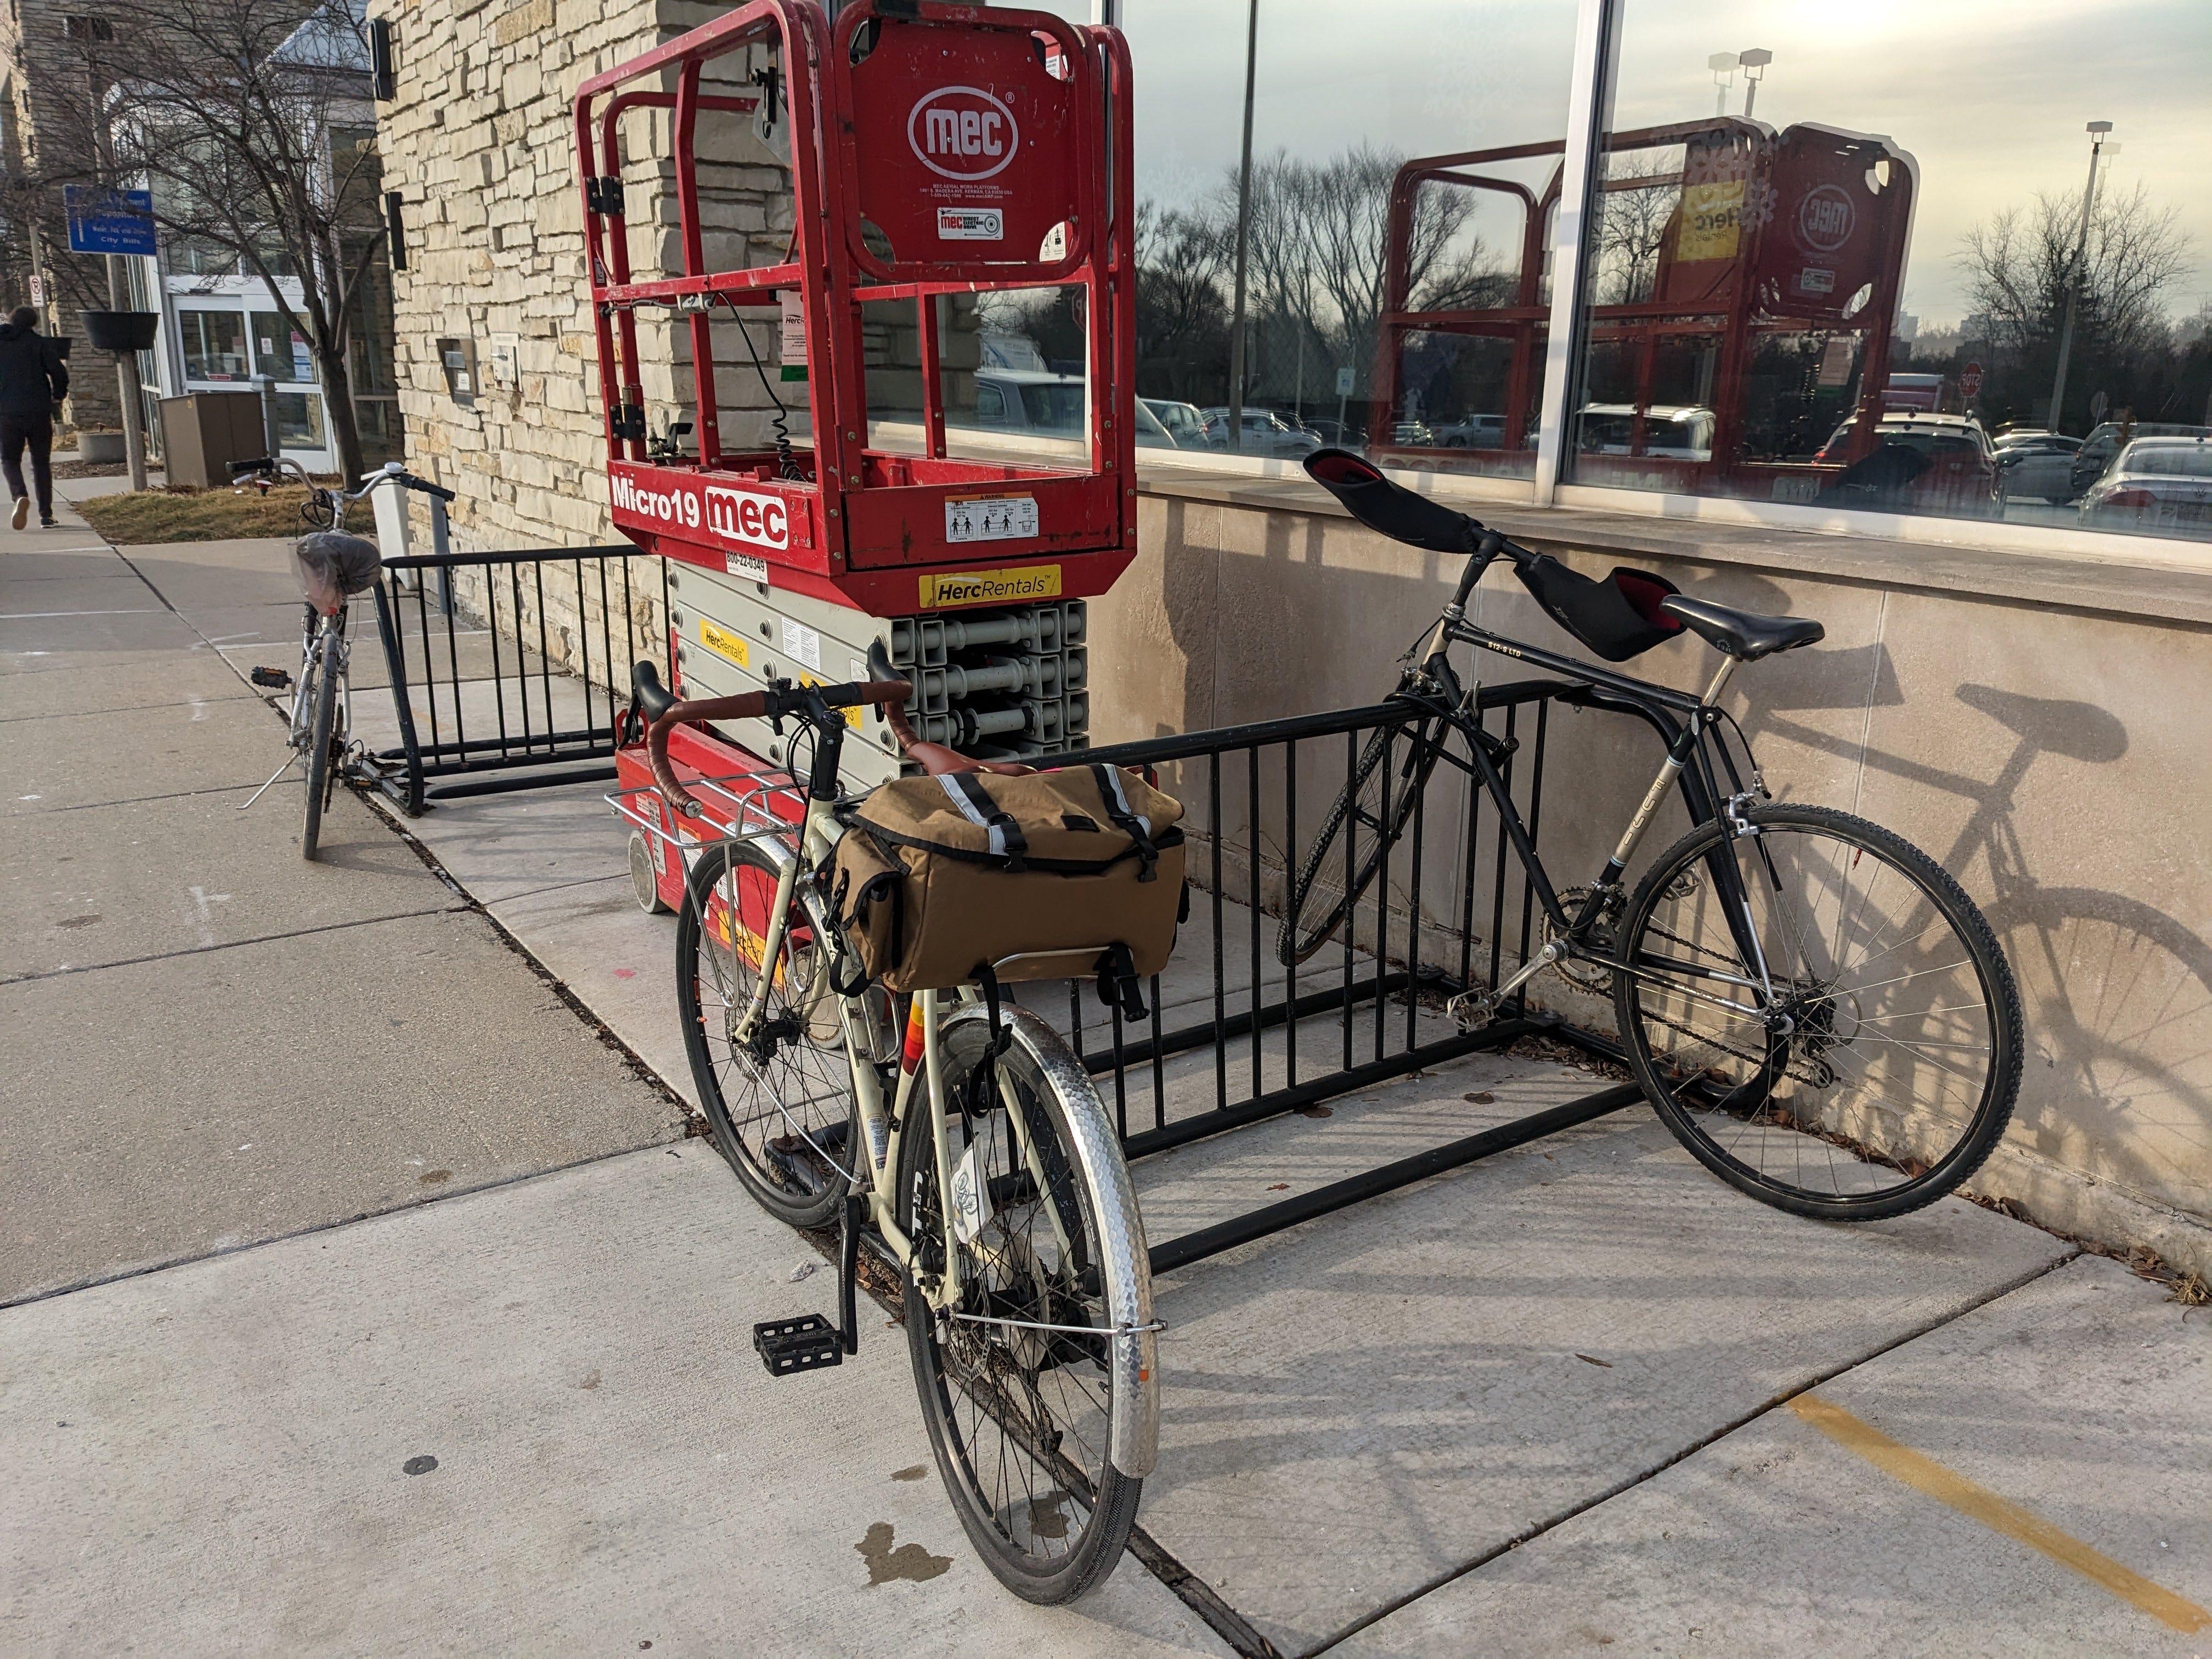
point(290, 761)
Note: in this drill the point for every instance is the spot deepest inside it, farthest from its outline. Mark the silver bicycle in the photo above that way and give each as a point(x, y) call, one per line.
point(960, 1140)
point(333, 566)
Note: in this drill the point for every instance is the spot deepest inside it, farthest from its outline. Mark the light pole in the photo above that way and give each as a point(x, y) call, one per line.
point(1723, 64)
point(1243, 233)
point(2097, 130)
point(1755, 64)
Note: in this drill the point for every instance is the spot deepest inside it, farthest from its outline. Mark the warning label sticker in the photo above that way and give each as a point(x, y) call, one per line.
point(1015, 587)
point(990, 518)
point(970, 224)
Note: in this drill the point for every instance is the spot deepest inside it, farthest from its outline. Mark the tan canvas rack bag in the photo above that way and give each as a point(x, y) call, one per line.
point(1049, 875)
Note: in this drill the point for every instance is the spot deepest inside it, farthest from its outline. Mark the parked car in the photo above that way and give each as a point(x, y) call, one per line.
point(1472, 432)
point(1266, 432)
point(1182, 422)
point(1339, 435)
point(1921, 463)
point(1046, 405)
point(2105, 442)
point(1413, 434)
point(2036, 464)
point(2154, 484)
point(1681, 434)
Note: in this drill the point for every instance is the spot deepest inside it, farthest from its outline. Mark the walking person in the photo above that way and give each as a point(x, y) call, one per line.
point(33, 380)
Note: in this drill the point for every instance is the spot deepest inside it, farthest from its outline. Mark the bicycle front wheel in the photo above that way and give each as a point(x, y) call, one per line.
point(780, 1098)
point(1039, 1383)
point(322, 698)
point(1880, 1069)
point(1355, 837)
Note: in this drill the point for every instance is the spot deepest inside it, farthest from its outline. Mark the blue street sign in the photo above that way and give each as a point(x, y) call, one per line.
point(109, 221)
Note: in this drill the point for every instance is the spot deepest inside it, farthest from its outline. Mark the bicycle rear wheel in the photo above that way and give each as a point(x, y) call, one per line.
point(781, 1103)
point(1361, 826)
point(1042, 1437)
point(1882, 1071)
point(322, 696)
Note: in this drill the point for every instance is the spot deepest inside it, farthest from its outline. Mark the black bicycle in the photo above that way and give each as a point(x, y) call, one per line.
point(1813, 1007)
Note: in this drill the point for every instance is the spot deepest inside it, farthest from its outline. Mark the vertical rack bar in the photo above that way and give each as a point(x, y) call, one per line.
point(1351, 835)
point(1252, 895)
point(544, 664)
point(1289, 868)
point(1413, 924)
point(1220, 1013)
point(1381, 884)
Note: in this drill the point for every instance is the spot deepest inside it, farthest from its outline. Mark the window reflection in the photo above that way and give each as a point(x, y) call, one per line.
point(1899, 288)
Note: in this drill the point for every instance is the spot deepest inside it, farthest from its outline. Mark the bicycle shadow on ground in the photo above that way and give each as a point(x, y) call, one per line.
point(2116, 994)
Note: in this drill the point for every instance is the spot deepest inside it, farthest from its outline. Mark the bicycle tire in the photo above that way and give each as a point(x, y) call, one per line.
point(1035, 1480)
point(776, 1110)
point(1299, 936)
point(325, 695)
point(1815, 1121)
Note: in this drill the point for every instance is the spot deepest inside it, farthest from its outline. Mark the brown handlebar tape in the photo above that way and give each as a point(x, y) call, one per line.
point(749, 705)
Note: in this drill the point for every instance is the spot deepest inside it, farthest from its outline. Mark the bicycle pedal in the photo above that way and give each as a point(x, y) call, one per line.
point(1472, 1008)
point(275, 678)
point(804, 1343)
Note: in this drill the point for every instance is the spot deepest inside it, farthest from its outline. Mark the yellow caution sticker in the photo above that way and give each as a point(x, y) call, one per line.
point(1014, 586)
point(724, 643)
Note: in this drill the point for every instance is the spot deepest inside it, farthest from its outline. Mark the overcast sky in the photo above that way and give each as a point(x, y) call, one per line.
point(1990, 96)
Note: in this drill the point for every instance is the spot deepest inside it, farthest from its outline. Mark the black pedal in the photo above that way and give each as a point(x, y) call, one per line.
point(800, 1344)
point(275, 678)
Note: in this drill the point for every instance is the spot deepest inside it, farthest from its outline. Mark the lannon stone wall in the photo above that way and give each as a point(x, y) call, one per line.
point(479, 141)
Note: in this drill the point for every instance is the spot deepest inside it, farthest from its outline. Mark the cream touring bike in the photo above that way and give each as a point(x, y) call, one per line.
point(955, 1138)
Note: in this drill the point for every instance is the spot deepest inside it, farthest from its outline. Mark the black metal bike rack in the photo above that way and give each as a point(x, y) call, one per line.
point(1242, 788)
point(433, 602)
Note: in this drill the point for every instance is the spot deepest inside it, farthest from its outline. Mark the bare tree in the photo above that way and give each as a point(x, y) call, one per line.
point(1641, 194)
point(240, 116)
point(1182, 318)
point(2019, 263)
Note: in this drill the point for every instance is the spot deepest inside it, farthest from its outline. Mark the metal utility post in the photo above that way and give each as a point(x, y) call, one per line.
point(1244, 237)
point(1723, 64)
point(2097, 130)
point(118, 298)
point(1755, 64)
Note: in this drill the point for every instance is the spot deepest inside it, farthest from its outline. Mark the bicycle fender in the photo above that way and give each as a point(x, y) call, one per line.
point(1132, 1434)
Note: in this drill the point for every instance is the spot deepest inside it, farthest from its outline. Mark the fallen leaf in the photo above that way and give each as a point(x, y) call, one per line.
point(1592, 1359)
point(1480, 1097)
point(1280, 1187)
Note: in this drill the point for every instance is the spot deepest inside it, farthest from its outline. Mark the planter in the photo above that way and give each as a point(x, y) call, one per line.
point(121, 330)
point(100, 446)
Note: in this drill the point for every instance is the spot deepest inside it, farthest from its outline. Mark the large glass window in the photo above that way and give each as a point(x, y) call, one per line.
point(214, 344)
point(1863, 263)
point(1405, 160)
point(279, 351)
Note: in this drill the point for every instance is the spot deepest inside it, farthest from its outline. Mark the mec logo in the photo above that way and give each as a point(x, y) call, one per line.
point(745, 515)
point(1825, 219)
point(962, 132)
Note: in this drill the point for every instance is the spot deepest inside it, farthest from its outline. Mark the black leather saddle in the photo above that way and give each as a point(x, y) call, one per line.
point(1738, 633)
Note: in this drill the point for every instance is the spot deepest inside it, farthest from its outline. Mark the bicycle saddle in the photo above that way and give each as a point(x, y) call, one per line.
point(1738, 633)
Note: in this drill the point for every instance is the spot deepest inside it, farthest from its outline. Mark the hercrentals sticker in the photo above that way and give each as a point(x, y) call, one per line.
point(1036, 581)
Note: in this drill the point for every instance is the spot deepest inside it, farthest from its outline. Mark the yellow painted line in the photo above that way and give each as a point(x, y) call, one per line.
point(1925, 1474)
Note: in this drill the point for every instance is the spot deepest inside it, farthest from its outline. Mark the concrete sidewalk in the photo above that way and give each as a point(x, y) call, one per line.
point(1580, 1397)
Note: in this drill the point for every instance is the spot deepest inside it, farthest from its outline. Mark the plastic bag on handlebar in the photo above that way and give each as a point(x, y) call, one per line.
point(332, 565)
point(1618, 618)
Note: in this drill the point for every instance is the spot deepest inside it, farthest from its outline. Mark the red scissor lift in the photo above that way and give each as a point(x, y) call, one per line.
point(1773, 240)
point(933, 150)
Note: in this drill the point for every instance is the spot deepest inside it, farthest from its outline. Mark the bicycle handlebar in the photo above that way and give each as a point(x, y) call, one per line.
point(773, 703)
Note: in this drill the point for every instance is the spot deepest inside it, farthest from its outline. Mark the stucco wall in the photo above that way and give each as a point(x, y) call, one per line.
point(2050, 754)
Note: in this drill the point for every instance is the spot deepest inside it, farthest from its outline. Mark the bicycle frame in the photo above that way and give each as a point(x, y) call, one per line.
point(1696, 760)
point(884, 1123)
